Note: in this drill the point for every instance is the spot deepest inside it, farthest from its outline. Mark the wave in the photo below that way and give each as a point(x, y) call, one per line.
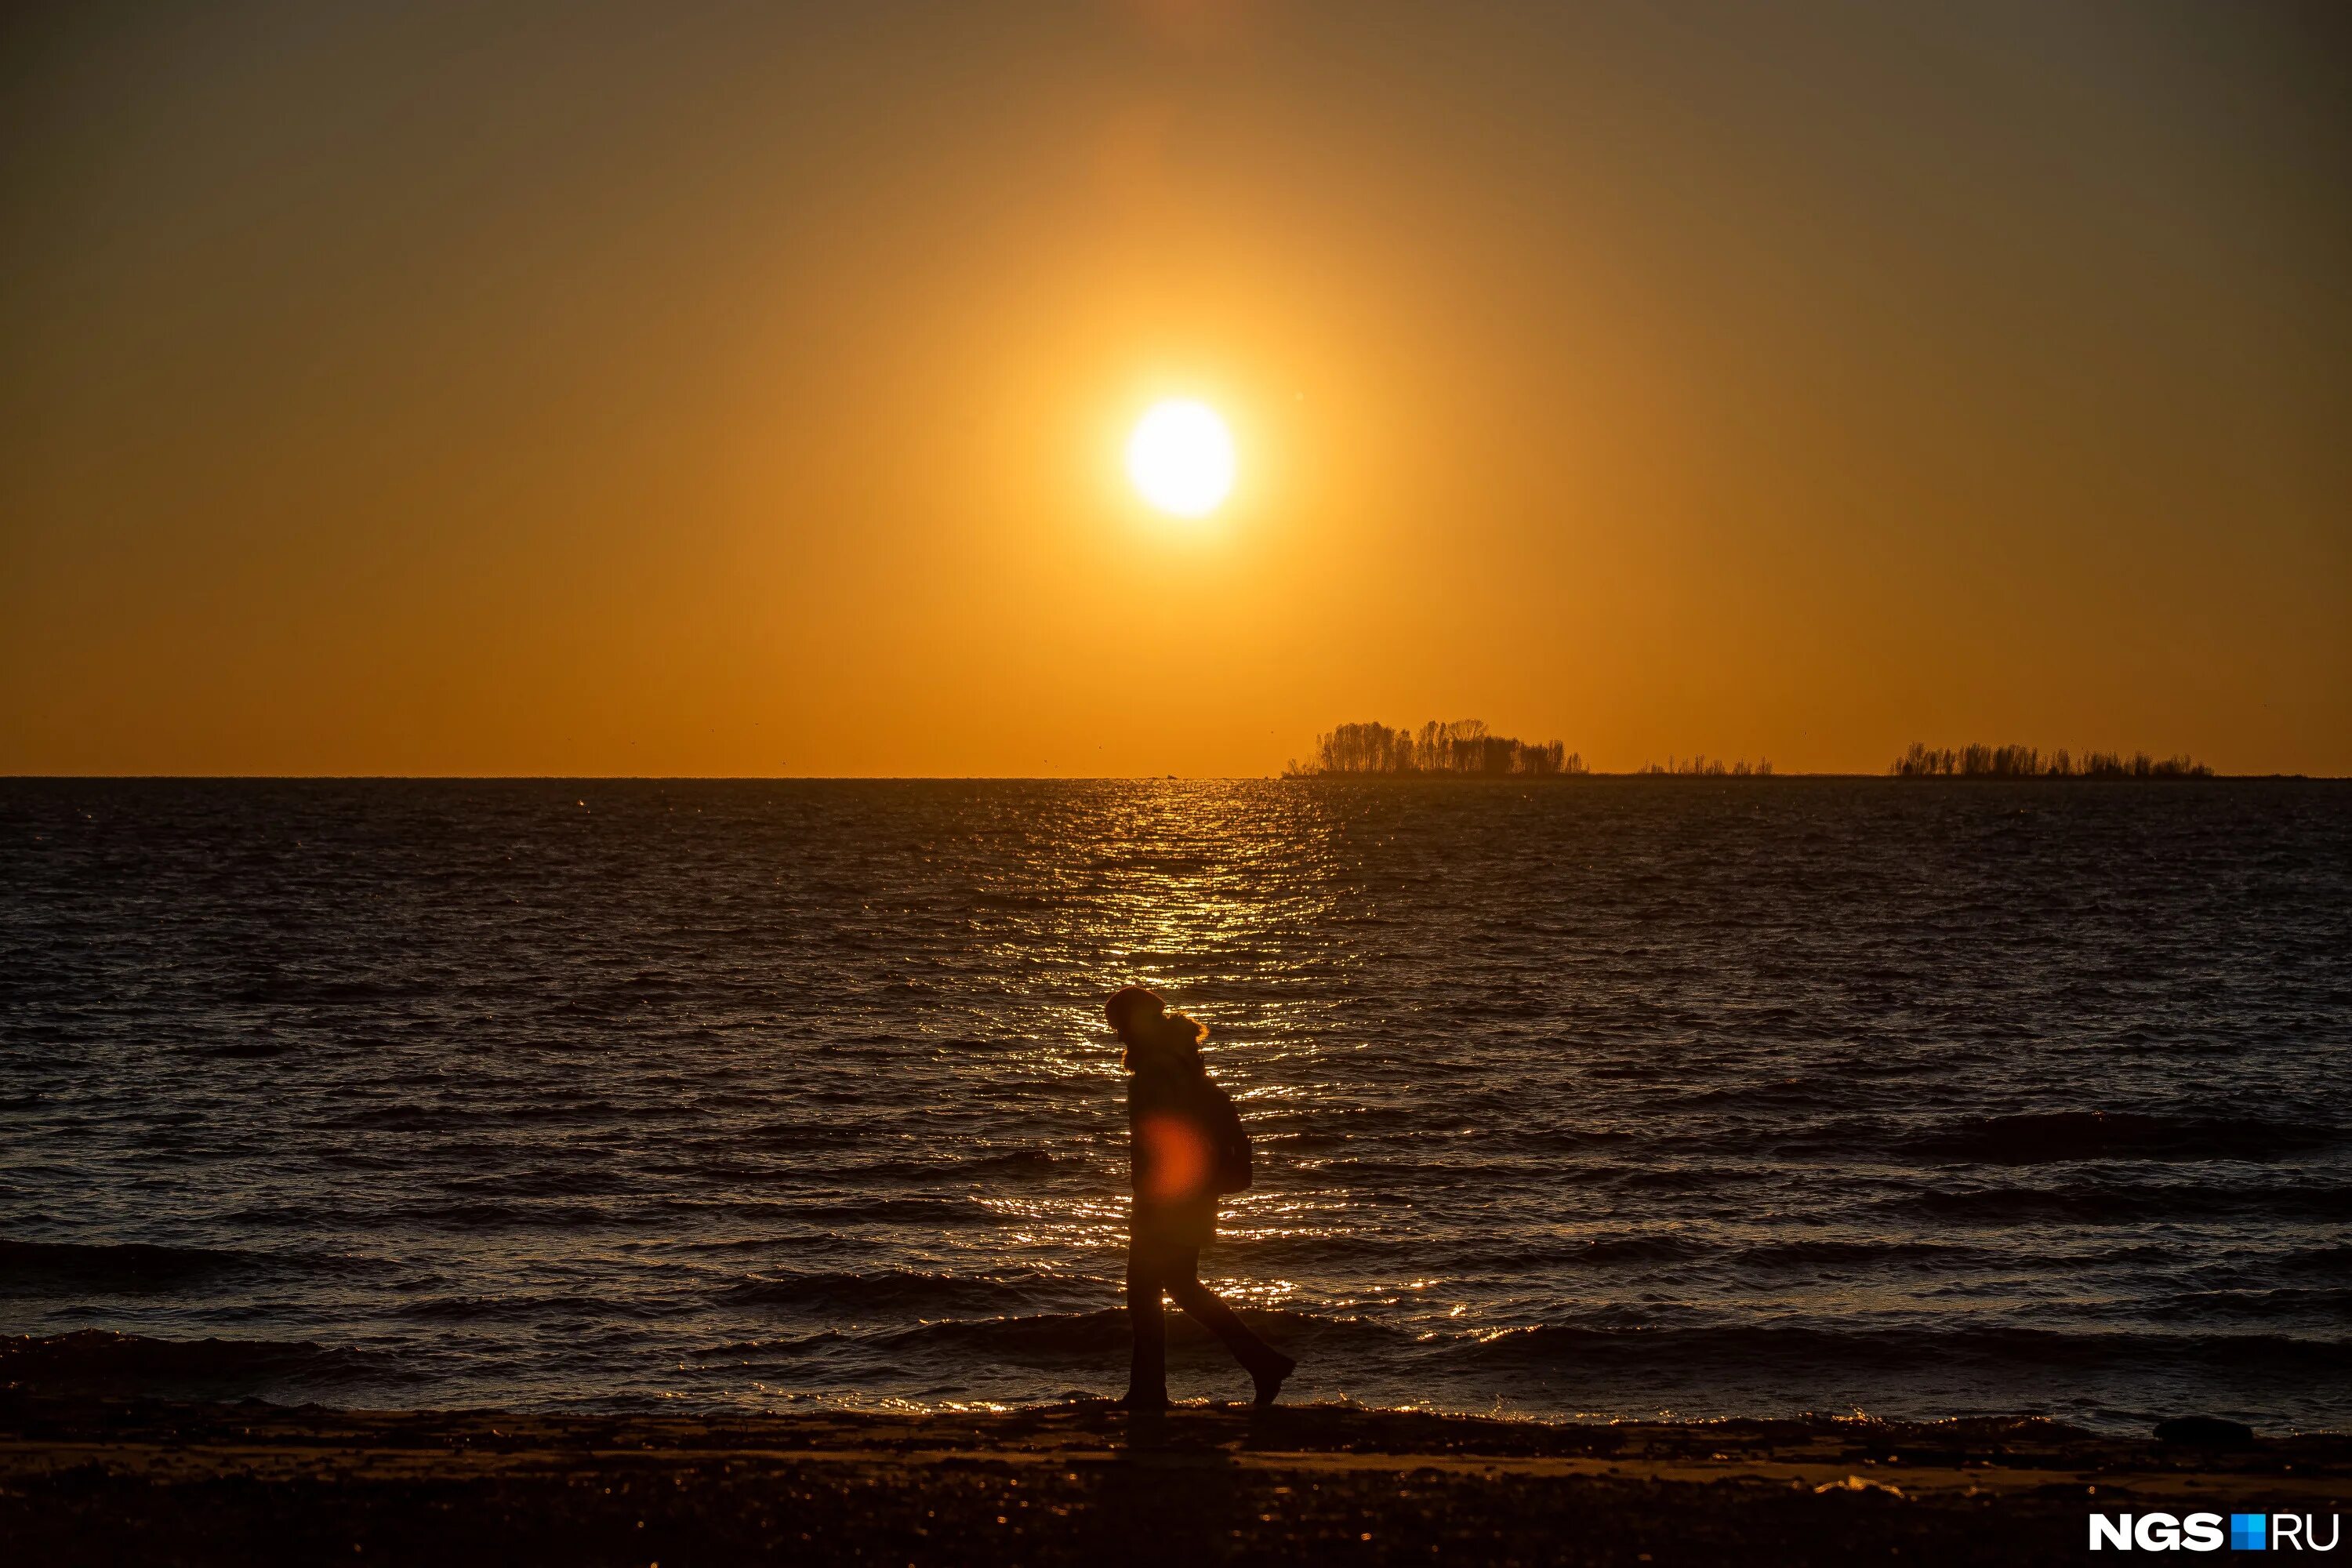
point(2328, 1262)
point(2332, 1305)
point(1743, 1348)
point(2130, 1204)
point(248, 1050)
point(1848, 1254)
point(1605, 1250)
point(98, 1361)
point(526, 1215)
point(530, 1308)
point(902, 1292)
point(1017, 1164)
point(1661, 1353)
point(290, 991)
point(1644, 1179)
point(927, 1211)
point(124, 1267)
point(2056, 1137)
point(534, 1182)
point(1691, 1256)
point(575, 1111)
point(395, 1117)
point(1057, 1338)
point(1482, 1258)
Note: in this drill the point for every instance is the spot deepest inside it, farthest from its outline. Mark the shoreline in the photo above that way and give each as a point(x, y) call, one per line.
point(90, 1478)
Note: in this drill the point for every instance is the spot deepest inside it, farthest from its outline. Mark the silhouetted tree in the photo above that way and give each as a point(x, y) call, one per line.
point(1982, 762)
point(1705, 767)
point(1462, 748)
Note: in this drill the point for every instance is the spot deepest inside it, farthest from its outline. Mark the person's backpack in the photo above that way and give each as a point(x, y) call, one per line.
point(1229, 1143)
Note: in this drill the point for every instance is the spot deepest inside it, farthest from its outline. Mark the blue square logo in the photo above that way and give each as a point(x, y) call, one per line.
point(2246, 1532)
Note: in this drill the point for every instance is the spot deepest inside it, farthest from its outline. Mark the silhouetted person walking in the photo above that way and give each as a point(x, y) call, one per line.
point(1186, 1147)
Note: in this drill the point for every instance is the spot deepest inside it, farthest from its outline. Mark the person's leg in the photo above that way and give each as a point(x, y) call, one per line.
point(1266, 1366)
point(1147, 1377)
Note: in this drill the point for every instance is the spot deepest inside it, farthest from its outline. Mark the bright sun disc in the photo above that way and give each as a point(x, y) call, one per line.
point(1181, 458)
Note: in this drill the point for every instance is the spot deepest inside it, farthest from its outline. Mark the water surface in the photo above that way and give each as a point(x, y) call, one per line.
point(1608, 1097)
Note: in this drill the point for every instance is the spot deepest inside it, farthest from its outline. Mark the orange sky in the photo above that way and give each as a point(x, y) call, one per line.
point(706, 390)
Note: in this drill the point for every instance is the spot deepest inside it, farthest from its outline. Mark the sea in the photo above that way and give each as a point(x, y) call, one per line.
point(1591, 1097)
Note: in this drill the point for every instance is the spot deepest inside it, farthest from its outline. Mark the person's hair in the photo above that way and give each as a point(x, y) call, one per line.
point(1185, 1024)
point(1125, 1001)
point(1180, 1044)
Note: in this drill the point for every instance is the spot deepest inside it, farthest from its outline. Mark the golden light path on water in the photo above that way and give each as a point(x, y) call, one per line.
point(1203, 884)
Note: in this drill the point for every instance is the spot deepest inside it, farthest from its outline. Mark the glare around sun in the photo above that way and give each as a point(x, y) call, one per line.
point(1181, 458)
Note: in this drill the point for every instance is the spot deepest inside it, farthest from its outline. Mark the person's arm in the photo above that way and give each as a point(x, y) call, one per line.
point(1139, 1151)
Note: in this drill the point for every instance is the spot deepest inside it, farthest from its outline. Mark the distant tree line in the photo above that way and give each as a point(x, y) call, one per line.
point(1466, 749)
point(1706, 767)
point(1462, 749)
point(2028, 763)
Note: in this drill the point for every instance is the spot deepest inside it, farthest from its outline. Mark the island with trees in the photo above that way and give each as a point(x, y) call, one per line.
point(1462, 749)
point(1467, 749)
point(1982, 761)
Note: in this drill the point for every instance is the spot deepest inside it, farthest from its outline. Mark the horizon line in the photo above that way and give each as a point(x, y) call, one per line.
point(1545, 782)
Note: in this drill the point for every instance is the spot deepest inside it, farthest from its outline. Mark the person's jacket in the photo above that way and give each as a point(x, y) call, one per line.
point(1185, 1147)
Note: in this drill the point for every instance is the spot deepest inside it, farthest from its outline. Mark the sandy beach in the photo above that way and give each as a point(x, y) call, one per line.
point(91, 1479)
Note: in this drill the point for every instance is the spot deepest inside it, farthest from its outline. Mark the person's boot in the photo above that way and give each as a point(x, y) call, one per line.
point(1147, 1373)
point(1267, 1372)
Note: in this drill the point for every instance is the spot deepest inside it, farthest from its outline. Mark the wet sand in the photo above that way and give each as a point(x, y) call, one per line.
point(90, 1480)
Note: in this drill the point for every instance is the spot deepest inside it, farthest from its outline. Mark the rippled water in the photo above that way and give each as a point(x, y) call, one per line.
point(1612, 1096)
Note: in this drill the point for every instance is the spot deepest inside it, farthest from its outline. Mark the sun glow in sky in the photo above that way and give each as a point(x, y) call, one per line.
point(1181, 458)
point(562, 389)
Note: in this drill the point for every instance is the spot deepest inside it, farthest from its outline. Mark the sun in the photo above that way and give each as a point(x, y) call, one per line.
point(1181, 458)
